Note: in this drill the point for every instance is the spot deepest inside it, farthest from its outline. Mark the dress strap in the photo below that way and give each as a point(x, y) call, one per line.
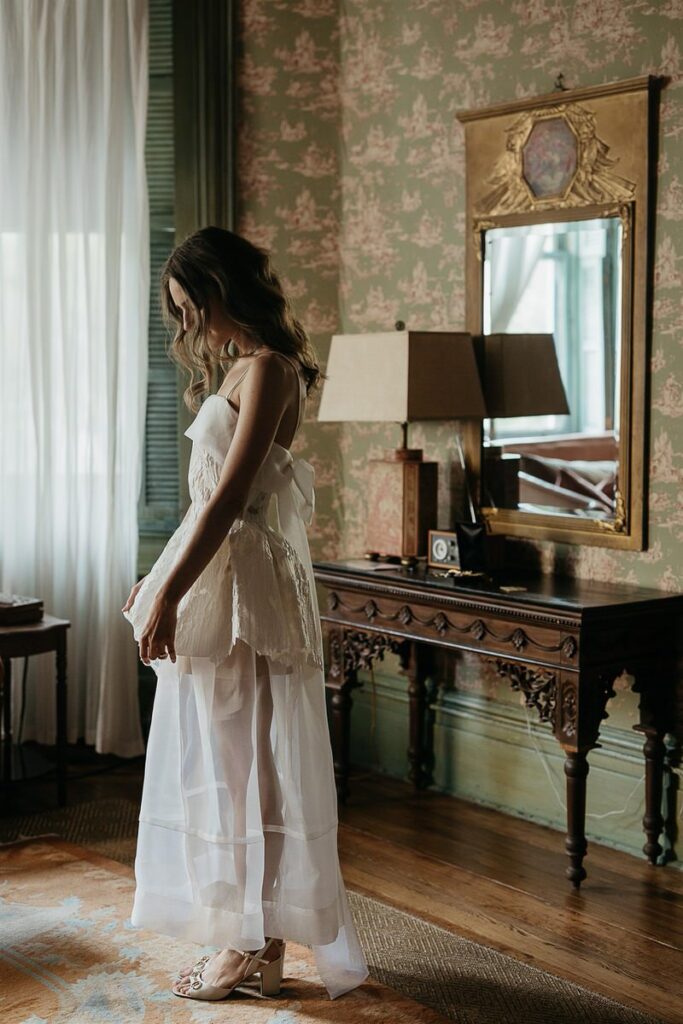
point(238, 381)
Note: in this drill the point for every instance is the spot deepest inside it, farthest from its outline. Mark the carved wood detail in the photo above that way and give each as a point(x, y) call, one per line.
point(555, 619)
point(537, 685)
point(361, 649)
point(599, 693)
point(477, 628)
point(569, 647)
point(568, 710)
point(405, 615)
point(335, 669)
point(593, 181)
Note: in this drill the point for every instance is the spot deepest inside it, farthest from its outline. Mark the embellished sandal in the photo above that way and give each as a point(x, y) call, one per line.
point(185, 972)
point(270, 972)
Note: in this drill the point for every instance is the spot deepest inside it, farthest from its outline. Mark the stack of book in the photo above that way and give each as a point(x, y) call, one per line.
point(19, 611)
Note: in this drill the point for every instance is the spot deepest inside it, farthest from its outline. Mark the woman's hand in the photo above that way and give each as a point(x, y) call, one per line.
point(158, 637)
point(133, 594)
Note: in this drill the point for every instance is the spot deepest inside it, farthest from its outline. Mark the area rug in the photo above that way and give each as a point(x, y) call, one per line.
point(70, 956)
point(458, 978)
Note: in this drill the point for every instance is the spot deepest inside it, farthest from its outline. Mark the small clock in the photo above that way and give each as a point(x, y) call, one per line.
point(442, 548)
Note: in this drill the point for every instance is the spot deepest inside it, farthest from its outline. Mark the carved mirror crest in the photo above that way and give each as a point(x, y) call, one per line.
point(558, 244)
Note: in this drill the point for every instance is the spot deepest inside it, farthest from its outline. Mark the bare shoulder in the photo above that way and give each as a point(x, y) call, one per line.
point(272, 368)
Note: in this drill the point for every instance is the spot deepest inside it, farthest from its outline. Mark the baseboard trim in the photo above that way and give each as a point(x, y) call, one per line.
point(457, 707)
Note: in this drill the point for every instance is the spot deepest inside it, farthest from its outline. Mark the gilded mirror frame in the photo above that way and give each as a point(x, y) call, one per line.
point(614, 129)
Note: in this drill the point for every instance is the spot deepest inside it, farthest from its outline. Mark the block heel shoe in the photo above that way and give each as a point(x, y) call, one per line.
point(269, 971)
point(271, 976)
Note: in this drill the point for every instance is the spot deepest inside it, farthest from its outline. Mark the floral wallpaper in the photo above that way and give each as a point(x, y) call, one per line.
point(289, 194)
point(352, 173)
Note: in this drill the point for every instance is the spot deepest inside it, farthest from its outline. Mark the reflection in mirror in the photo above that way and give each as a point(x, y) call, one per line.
point(564, 279)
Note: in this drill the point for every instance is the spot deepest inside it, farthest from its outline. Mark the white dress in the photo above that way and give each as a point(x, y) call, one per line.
point(238, 822)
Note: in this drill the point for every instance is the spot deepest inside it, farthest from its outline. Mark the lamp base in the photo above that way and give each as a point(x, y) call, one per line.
point(401, 506)
point(403, 454)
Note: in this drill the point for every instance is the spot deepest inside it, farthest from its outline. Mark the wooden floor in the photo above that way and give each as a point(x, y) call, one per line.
point(490, 877)
point(500, 881)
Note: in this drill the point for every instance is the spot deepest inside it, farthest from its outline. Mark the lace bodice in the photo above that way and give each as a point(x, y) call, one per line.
point(212, 432)
point(203, 476)
point(259, 586)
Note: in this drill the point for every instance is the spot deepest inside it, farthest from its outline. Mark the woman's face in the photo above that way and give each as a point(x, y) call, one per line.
point(220, 328)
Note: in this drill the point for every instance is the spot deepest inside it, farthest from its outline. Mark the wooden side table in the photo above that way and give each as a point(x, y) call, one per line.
point(20, 642)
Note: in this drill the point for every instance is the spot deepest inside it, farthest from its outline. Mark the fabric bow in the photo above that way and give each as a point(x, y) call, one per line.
point(295, 505)
point(303, 482)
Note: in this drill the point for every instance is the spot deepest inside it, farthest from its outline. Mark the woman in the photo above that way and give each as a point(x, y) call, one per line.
point(237, 844)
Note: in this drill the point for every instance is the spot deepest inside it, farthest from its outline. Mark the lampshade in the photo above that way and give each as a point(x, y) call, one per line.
point(520, 375)
point(402, 376)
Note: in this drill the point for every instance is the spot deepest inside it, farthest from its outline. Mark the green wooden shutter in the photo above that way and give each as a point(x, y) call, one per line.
point(160, 497)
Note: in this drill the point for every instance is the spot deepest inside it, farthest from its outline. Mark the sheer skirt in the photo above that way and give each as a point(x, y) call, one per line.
point(238, 823)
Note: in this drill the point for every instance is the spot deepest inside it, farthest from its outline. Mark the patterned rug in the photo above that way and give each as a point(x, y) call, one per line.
point(459, 979)
point(70, 956)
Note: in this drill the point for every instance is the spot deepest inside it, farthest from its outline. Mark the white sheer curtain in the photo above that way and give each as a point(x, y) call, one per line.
point(512, 262)
point(74, 279)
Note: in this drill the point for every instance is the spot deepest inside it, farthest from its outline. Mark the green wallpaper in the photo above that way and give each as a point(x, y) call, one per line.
point(289, 196)
point(352, 172)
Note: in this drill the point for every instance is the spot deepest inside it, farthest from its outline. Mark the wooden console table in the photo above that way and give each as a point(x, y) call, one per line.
point(561, 642)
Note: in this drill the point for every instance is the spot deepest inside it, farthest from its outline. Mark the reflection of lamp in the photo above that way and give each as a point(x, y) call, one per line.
point(520, 377)
point(401, 376)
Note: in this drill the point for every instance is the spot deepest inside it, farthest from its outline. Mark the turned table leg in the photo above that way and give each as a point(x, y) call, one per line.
point(576, 772)
point(6, 720)
point(429, 757)
point(416, 664)
point(61, 719)
point(653, 822)
point(580, 707)
point(351, 650)
point(340, 681)
point(672, 760)
point(341, 731)
point(655, 686)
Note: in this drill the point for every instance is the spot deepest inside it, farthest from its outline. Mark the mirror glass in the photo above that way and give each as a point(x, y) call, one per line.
point(562, 279)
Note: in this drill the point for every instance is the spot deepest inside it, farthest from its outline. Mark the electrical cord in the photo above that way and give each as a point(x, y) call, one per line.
point(546, 766)
point(71, 778)
point(374, 755)
point(542, 757)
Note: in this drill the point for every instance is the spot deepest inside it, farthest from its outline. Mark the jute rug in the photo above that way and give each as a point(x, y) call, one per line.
point(459, 979)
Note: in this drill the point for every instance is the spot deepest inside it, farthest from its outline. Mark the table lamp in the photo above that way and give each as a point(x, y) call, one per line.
point(401, 376)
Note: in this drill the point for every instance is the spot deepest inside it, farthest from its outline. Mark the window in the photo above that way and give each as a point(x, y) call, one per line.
point(562, 279)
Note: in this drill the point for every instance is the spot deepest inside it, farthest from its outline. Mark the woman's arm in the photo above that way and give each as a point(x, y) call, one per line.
point(264, 394)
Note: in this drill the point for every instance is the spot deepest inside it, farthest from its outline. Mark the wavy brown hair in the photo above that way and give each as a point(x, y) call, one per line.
point(216, 265)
